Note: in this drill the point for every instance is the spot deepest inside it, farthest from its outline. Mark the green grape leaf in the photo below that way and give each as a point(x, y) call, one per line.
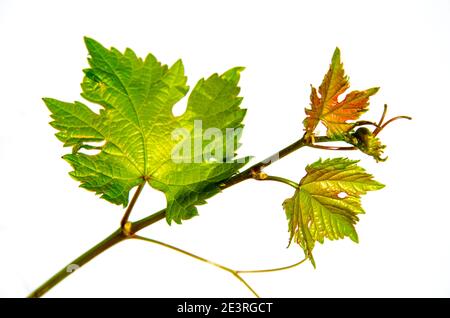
point(334, 114)
point(141, 140)
point(327, 203)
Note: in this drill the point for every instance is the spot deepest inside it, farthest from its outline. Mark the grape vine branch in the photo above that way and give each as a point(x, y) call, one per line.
point(128, 229)
point(142, 142)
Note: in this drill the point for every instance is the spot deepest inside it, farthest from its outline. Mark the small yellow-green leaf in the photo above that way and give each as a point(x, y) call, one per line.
point(327, 202)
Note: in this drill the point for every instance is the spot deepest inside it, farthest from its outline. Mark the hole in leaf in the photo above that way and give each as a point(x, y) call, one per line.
point(342, 195)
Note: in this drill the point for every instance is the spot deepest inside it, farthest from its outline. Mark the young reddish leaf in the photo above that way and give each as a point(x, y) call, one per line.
point(335, 114)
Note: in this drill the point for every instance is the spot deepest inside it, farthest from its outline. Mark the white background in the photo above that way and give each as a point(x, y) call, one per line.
point(402, 46)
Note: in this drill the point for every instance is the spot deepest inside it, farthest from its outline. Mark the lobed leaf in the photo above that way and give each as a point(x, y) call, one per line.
point(327, 203)
point(326, 108)
point(136, 125)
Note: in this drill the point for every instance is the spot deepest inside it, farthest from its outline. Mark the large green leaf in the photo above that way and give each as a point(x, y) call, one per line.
point(136, 127)
point(327, 202)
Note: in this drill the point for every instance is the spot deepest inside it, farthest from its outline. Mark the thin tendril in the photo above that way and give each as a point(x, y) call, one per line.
point(235, 273)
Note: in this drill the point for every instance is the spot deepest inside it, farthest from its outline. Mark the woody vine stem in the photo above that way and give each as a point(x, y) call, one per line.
point(129, 229)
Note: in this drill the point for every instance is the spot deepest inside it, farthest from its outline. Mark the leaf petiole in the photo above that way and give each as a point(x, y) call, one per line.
point(124, 222)
point(261, 176)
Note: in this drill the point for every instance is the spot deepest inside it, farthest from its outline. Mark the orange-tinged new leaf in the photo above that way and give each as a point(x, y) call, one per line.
point(334, 114)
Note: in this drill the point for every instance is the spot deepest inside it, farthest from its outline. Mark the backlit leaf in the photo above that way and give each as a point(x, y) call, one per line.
point(326, 107)
point(327, 203)
point(135, 129)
